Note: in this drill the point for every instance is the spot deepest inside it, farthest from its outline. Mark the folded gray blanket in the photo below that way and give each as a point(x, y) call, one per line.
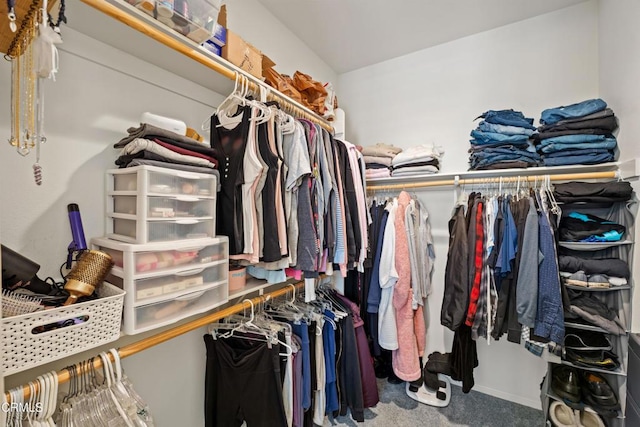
point(146, 130)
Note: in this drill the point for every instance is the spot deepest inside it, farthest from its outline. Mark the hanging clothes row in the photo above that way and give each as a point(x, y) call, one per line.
point(292, 197)
point(502, 272)
point(397, 281)
point(289, 364)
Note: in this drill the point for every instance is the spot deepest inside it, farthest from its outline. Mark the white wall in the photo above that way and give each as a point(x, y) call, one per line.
point(99, 93)
point(619, 40)
point(256, 24)
point(433, 96)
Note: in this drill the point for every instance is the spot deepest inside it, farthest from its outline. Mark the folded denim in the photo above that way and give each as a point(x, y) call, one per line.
point(506, 149)
point(589, 159)
point(492, 137)
point(482, 164)
point(503, 129)
point(609, 191)
point(580, 109)
point(516, 164)
point(537, 137)
point(609, 123)
point(609, 144)
point(607, 112)
point(518, 144)
point(579, 152)
point(575, 139)
point(507, 118)
point(577, 226)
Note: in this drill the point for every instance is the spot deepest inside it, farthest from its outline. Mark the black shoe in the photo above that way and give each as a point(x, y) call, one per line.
point(578, 340)
point(593, 359)
point(393, 379)
point(565, 383)
point(439, 363)
point(598, 393)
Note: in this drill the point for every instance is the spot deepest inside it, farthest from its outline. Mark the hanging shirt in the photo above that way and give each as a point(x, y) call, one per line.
point(387, 332)
point(230, 145)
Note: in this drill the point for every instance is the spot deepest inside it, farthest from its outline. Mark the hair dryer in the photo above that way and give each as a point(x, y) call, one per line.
point(78, 244)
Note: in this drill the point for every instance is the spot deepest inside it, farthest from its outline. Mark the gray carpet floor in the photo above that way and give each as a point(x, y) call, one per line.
point(475, 409)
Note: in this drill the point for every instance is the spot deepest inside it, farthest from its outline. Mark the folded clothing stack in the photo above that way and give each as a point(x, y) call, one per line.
point(585, 308)
point(501, 141)
point(593, 192)
point(377, 159)
point(419, 160)
point(578, 134)
point(151, 145)
point(590, 272)
point(581, 227)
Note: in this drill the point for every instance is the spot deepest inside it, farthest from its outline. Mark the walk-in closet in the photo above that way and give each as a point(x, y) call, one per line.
point(288, 213)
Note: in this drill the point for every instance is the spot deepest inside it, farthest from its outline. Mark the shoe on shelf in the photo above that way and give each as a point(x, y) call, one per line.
point(598, 394)
point(579, 278)
point(565, 383)
point(579, 340)
point(602, 359)
point(588, 418)
point(561, 415)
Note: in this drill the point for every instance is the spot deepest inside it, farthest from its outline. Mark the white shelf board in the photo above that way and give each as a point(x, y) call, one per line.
point(546, 170)
point(256, 285)
point(95, 24)
point(593, 246)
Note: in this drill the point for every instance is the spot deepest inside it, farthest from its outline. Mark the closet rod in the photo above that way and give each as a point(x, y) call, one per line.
point(137, 347)
point(526, 178)
point(126, 18)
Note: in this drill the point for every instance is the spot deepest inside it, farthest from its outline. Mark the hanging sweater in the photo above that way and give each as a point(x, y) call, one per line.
point(410, 330)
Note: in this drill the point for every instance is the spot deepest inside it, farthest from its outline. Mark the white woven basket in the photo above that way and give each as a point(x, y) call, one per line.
point(22, 349)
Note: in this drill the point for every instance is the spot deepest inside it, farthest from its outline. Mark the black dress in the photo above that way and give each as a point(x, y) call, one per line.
point(230, 145)
point(271, 251)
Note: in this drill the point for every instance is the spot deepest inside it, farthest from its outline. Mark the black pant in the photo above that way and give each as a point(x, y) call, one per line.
point(242, 383)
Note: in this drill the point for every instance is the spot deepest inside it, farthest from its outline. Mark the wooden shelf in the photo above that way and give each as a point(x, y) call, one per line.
point(130, 30)
point(577, 169)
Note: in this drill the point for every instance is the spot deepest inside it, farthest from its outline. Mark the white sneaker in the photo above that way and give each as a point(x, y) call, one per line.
point(561, 415)
point(587, 418)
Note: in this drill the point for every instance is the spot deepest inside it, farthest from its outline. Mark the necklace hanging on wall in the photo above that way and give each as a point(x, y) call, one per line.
point(34, 58)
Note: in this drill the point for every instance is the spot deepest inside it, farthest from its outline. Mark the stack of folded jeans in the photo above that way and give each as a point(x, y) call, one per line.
point(501, 141)
point(578, 134)
point(419, 160)
point(377, 159)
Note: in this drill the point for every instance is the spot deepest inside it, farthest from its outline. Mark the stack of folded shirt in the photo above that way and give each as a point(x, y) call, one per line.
point(419, 160)
point(578, 134)
point(501, 141)
point(581, 227)
point(377, 159)
point(593, 192)
point(151, 145)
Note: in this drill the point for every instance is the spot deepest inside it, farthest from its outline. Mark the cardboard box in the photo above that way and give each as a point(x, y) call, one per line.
point(242, 54)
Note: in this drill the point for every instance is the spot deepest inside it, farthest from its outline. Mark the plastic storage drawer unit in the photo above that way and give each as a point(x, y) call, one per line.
point(166, 282)
point(152, 204)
